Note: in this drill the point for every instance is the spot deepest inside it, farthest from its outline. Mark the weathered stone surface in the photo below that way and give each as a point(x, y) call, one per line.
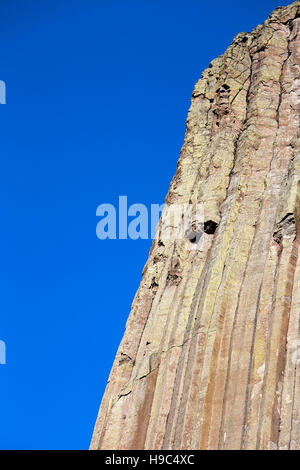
point(209, 356)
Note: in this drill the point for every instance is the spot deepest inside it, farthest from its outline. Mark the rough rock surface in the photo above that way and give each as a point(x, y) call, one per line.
point(209, 358)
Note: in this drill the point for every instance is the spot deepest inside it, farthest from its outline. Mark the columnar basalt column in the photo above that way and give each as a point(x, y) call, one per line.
point(209, 358)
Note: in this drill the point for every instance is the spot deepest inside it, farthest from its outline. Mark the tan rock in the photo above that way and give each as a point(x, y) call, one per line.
point(209, 358)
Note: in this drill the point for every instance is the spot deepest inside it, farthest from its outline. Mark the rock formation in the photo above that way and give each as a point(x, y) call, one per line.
point(209, 358)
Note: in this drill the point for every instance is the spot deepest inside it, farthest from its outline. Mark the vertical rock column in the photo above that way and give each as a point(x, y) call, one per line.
point(209, 358)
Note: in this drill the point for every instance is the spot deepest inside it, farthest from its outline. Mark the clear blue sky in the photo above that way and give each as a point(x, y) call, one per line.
point(97, 96)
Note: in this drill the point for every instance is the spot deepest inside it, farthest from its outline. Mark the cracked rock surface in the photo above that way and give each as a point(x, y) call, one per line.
point(210, 358)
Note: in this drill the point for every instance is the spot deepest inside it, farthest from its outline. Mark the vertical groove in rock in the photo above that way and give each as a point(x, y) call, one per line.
point(209, 358)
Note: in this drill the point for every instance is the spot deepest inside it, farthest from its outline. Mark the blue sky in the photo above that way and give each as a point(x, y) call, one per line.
point(97, 96)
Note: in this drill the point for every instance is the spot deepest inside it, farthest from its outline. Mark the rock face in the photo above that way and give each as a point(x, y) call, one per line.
point(209, 358)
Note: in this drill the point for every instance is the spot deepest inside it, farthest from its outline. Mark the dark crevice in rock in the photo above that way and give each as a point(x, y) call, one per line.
point(210, 227)
point(174, 276)
point(194, 235)
point(154, 285)
point(124, 358)
point(286, 227)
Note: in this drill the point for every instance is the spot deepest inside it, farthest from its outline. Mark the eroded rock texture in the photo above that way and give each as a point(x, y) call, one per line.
point(209, 359)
